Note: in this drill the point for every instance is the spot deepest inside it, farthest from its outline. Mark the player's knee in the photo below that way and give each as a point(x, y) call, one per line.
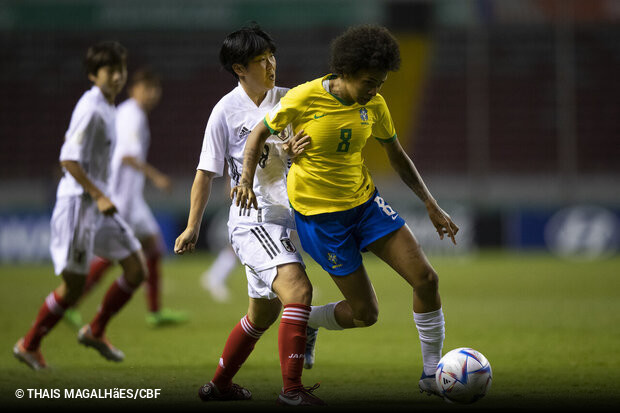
point(367, 317)
point(428, 283)
point(304, 293)
point(135, 271)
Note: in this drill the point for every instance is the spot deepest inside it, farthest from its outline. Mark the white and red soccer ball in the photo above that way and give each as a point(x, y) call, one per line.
point(463, 375)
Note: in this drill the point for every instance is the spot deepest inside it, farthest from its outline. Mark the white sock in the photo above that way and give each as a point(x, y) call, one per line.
point(223, 265)
point(324, 316)
point(431, 329)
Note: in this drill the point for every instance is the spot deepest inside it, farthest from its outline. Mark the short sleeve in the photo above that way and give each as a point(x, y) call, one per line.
point(383, 128)
point(128, 127)
point(214, 144)
point(285, 112)
point(80, 130)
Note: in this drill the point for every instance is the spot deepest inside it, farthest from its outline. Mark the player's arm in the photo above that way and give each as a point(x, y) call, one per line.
point(104, 204)
point(243, 194)
point(159, 179)
point(403, 165)
point(201, 190)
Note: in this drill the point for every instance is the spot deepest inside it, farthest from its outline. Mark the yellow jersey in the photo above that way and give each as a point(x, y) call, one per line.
point(330, 175)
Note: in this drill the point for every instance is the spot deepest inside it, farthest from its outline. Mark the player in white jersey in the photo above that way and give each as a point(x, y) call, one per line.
point(84, 221)
point(260, 237)
point(130, 170)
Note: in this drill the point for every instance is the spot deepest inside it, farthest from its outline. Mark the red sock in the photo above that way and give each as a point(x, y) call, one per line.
point(50, 313)
point(152, 282)
point(98, 268)
point(117, 296)
point(292, 344)
point(239, 345)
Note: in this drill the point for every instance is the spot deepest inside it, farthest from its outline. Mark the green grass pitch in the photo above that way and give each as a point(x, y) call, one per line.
point(550, 329)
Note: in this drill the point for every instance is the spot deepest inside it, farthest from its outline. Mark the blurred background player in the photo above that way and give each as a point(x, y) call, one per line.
point(130, 170)
point(261, 238)
point(215, 278)
point(339, 213)
point(84, 221)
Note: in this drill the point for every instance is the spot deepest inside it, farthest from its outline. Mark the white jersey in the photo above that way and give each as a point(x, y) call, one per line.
point(132, 139)
point(89, 141)
point(229, 125)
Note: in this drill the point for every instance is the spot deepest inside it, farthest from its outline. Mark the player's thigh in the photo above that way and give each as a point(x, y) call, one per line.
point(292, 284)
point(359, 292)
point(73, 227)
point(115, 241)
point(134, 268)
point(263, 312)
point(401, 251)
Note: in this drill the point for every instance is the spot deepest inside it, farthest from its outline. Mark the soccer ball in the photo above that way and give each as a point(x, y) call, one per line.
point(463, 375)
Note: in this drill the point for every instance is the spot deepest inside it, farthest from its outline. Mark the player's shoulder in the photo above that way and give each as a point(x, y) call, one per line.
point(378, 103)
point(278, 92)
point(128, 105)
point(231, 102)
point(90, 104)
point(308, 88)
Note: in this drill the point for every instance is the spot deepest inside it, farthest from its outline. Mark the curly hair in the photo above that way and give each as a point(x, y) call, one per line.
point(364, 47)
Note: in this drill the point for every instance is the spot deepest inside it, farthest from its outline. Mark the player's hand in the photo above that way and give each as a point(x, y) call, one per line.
point(244, 196)
point(105, 206)
point(162, 182)
point(442, 221)
point(297, 144)
point(186, 242)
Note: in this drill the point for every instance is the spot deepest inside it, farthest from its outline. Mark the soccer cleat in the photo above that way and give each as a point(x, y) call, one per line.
point(428, 385)
point(300, 397)
point(166, 317)
point(101, 344)
point(34, 359)
point(219, 291)
point(311, 334)
point(73, 317)
point(209, 392)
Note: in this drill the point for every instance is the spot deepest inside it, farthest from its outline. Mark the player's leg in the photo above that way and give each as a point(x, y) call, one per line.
point(215, 278)
point(403, 253)
point(262, 312)
point(295, 292)
point(157, 316)
point(27, 349)
point(98, 268)
point(72, 229)
point(114, 240)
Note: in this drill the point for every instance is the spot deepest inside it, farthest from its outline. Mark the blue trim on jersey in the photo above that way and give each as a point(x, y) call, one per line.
point(335, 240)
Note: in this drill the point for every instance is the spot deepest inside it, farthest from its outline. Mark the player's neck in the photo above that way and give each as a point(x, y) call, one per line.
point(257, 96)
point(338, 89)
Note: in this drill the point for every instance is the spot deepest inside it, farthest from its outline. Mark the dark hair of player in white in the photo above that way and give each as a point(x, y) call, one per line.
point(241, 46)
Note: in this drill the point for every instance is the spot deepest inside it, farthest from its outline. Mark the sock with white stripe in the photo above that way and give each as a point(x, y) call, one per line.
point(292, 344)
point(119, 293)
point(50, 313)
point(431, 329)
point(324, 316)
point(237, 349)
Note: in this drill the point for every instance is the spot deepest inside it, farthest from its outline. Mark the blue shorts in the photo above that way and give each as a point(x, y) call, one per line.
point(335, 240)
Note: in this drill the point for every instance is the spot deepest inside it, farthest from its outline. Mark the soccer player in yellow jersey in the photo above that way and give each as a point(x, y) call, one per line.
point(338, 210)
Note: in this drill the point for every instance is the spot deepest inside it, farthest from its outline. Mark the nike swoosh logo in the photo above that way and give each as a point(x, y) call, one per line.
point(317, 117)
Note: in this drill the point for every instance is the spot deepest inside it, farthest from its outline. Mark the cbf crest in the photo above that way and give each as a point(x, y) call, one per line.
point(332, 258)
point(364, 114)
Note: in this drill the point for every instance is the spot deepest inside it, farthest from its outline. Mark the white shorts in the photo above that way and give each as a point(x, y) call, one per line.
point(79, 231)
point(140, 218)
point(261, 247)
